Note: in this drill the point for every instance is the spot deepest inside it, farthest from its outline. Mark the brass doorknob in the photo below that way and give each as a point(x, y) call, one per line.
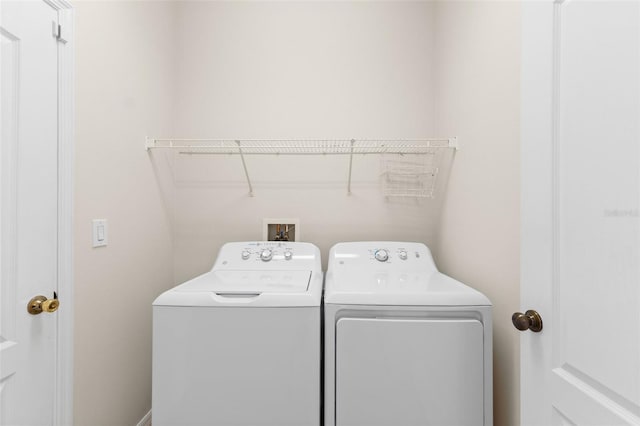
point(40, 304)
point(530, 320)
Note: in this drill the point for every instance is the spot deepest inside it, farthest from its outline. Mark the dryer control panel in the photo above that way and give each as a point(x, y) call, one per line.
point(389, 255)
point(267, 255)
point(401, 255)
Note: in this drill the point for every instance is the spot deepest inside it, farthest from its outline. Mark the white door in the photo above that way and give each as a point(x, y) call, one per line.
point(581, 212)
point(28, 211)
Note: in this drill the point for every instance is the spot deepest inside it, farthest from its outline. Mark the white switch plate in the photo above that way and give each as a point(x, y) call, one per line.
point(99, 227)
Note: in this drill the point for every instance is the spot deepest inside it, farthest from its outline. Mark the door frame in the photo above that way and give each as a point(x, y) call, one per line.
point(539, 104)
point(63, 398)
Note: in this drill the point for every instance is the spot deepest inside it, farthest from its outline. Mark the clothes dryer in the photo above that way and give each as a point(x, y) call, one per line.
point(405, 345)
point(240, 345)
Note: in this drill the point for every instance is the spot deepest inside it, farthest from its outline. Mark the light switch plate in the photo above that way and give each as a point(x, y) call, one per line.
point(99, 228)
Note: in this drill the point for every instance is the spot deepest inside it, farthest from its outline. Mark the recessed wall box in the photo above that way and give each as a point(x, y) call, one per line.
point(281, 229)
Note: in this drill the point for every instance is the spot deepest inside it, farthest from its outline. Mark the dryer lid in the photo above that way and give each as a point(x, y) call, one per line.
point(392, 273)
point(358, 287)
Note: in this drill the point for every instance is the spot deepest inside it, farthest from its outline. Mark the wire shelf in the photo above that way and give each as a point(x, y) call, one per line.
point(399, 182)
point(302, 146)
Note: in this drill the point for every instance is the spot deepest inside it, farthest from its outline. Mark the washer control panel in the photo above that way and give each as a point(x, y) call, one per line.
point(267, 255)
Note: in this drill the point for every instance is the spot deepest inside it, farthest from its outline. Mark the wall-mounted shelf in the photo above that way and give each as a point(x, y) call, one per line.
point(350, 147)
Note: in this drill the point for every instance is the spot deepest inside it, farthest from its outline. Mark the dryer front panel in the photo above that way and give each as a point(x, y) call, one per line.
point(409, 372)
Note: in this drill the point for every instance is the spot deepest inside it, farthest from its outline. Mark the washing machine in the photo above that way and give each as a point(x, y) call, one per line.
point(241, 344)
point(405, 345)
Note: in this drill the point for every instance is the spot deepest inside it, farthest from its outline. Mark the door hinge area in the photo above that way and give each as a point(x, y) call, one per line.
point(57, 32)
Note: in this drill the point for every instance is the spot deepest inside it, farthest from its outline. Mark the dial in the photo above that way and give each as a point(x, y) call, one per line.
point(245, 254)
point(402, 255)
point(288, 255)
point(266, 255)
point(382, 255)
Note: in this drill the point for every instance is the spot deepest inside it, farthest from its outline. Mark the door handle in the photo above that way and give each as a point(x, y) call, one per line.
point(40, 304)
point(530, 320)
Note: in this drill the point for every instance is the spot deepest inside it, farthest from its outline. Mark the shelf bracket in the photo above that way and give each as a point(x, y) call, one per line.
point(353, 141)
point(244, 166)
point(453, 143)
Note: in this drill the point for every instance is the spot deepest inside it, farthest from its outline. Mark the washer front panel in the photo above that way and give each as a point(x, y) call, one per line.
point(234, 366)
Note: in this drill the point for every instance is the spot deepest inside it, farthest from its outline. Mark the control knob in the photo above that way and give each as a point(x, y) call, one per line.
point(382, 255)
point(402, 255)
point(266, 255)
point(245, 254)
point(288, 255)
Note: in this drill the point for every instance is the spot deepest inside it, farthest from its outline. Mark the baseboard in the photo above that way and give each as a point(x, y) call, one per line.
point(146, 420)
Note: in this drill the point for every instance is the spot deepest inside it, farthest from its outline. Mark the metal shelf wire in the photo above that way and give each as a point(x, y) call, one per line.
point(350, 147)
point(415, 178)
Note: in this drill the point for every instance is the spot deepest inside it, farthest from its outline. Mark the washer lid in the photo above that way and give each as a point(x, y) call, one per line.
point(266, 288)
point(243, 282)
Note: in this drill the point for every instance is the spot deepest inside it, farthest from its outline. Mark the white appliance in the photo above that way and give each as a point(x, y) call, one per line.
point(240, 345)
point(404, 344)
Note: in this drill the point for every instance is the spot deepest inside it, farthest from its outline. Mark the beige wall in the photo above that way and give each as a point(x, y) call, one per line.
point(123, 72)
point(278, 70)
point(477, 99)
point(298, 70)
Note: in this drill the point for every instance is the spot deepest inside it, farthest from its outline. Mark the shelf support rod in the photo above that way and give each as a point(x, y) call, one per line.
point(353, 141)
point(244, 166)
